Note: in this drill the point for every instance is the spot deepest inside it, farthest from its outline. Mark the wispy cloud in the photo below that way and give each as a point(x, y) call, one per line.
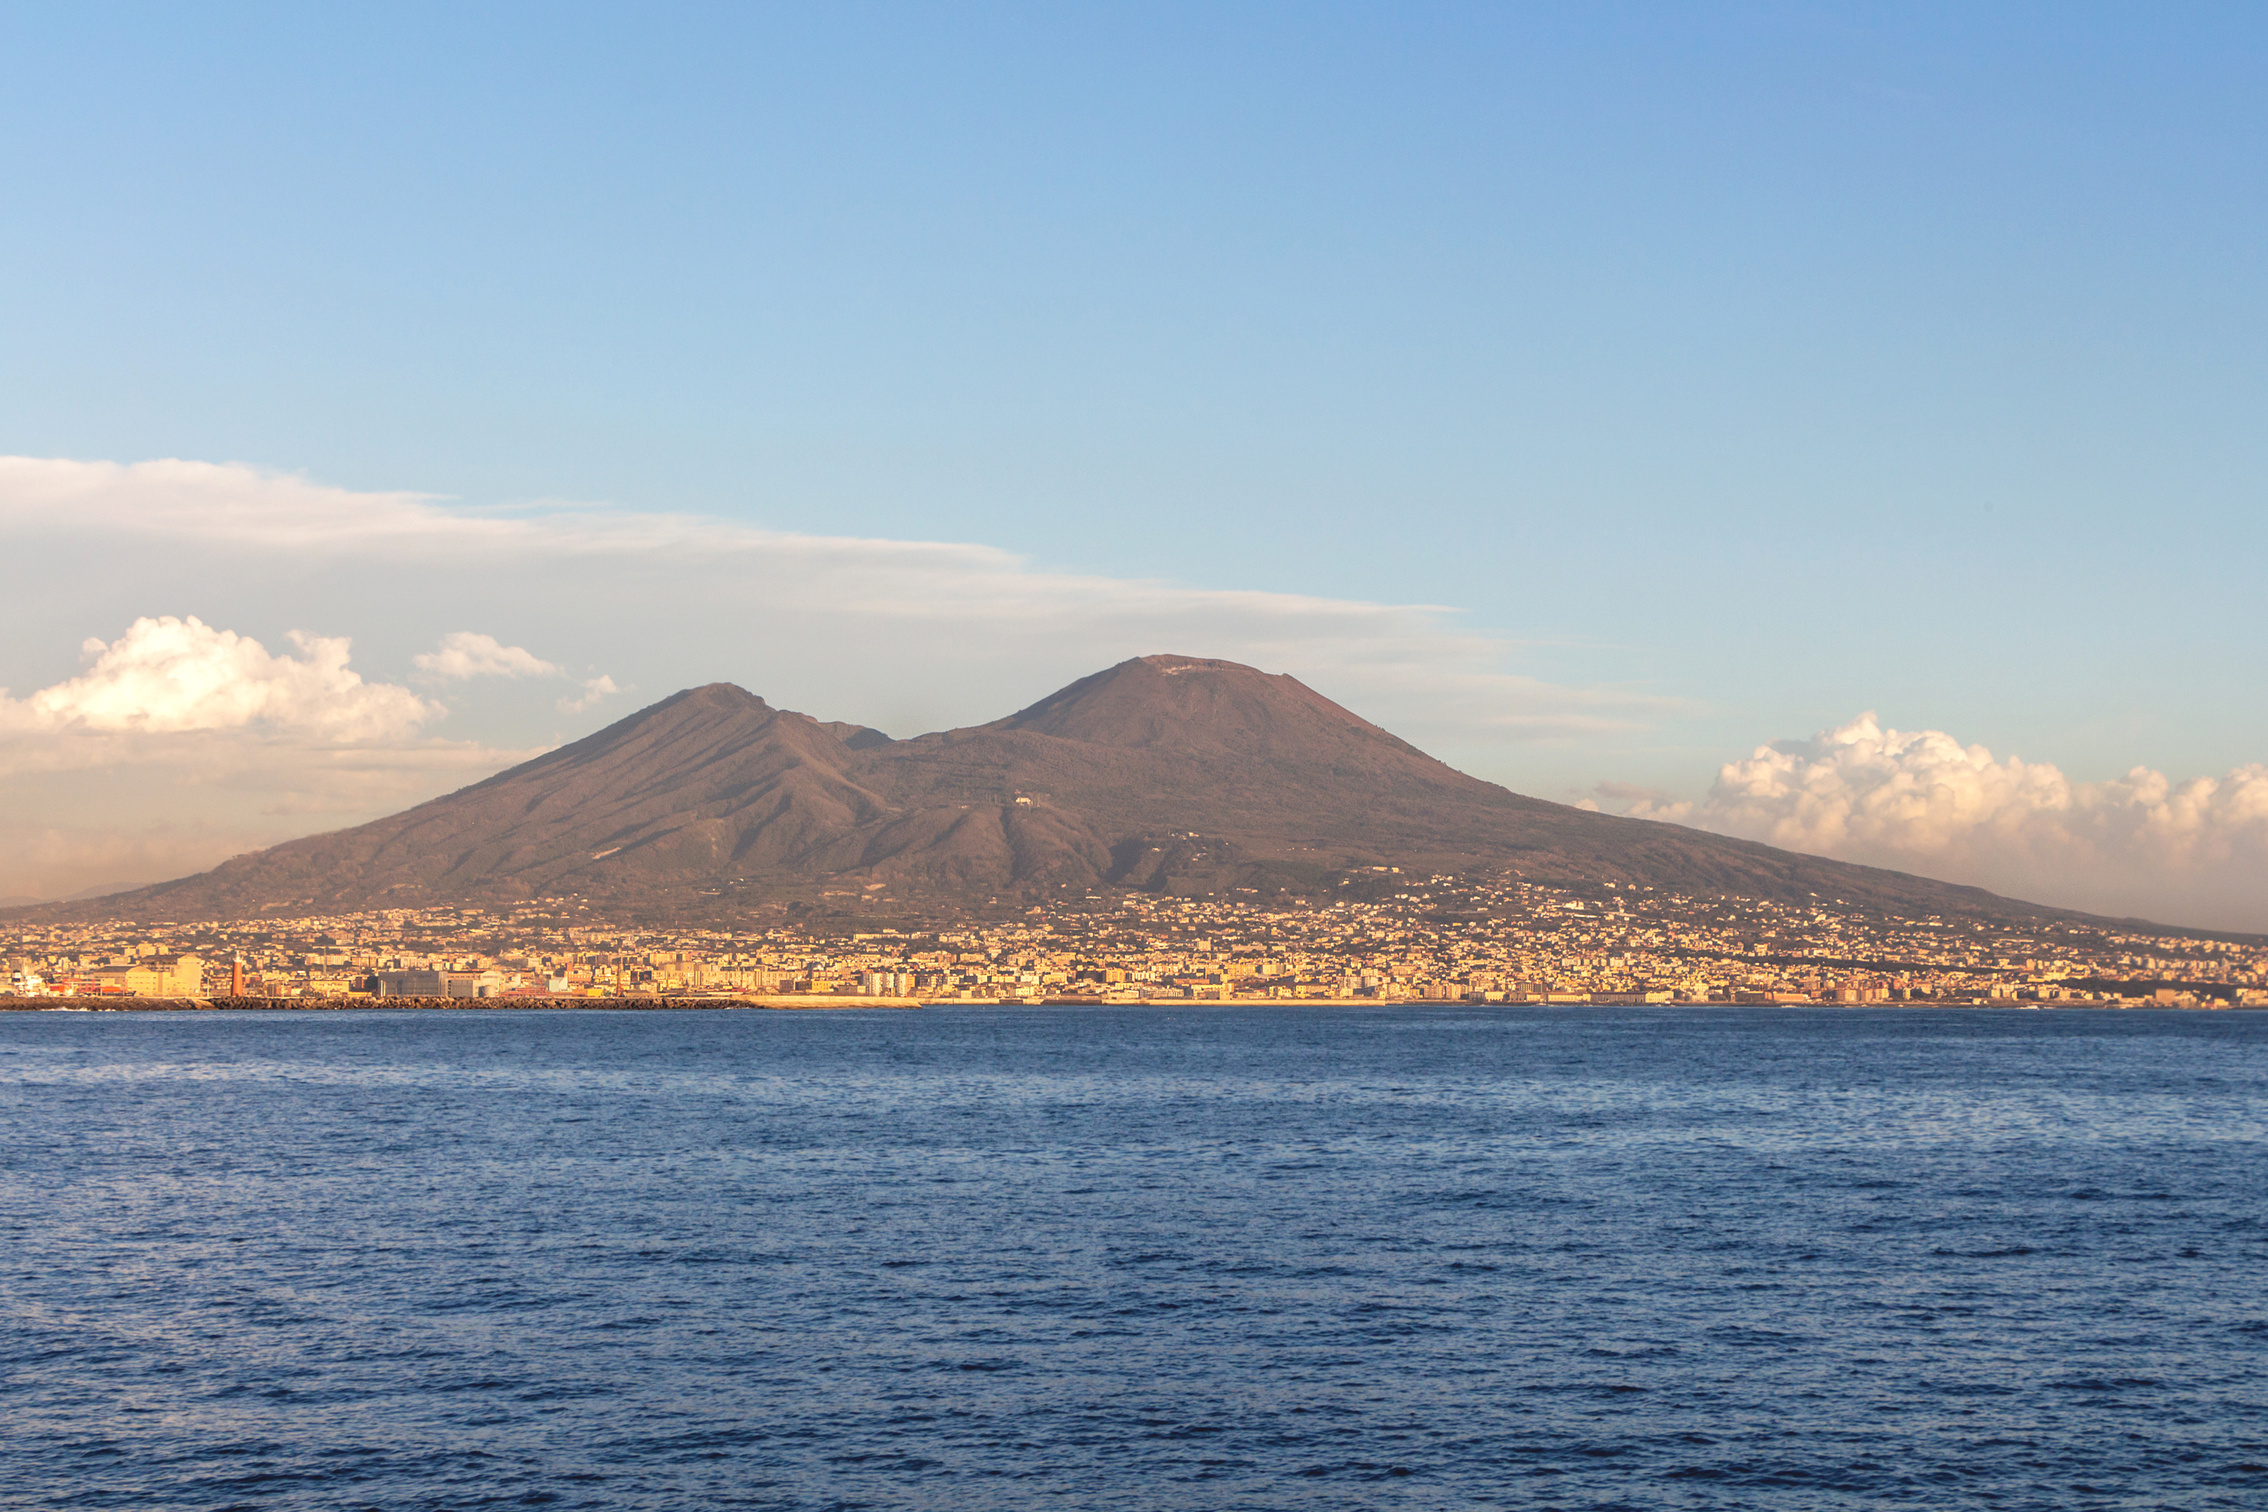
point(839, 613)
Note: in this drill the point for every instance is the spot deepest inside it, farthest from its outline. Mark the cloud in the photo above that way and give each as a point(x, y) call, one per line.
point(594, 689)
point(168, 675)
point(222, 501)
point(257, 509)
point(911, 634)
point(1628, 797)
point(183, 744)
point(467, 653)
point(2194, 850)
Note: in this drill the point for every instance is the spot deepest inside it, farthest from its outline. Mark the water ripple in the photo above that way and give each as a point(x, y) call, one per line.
point(1316, 1258)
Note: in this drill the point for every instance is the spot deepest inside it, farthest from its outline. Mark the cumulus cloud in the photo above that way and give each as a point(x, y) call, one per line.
point(594, 689)
point(168, 675)
point(2193, 851)
point(467, 653)
point(183, 743)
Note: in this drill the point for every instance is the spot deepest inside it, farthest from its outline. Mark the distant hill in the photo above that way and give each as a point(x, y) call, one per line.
point(99, 890)
point(1167, 773)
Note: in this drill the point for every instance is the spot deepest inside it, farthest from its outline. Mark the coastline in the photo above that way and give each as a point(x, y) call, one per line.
point(828, 1002)
point(124, 1003)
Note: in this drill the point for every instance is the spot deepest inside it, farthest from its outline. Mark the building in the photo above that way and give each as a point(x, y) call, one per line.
point(152, 976)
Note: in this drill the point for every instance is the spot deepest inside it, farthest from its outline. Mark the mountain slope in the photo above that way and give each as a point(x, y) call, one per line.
point(1165, 772)
point(678, 781)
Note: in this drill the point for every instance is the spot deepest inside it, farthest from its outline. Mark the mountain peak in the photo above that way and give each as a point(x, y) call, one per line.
point(1172, 665)
point(716, 695)
point(1202, 704)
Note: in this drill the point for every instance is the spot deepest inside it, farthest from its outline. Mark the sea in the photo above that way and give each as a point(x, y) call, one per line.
point(1156, 1258)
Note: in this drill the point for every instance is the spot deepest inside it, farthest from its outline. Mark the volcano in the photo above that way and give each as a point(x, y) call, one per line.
point(1172, 774)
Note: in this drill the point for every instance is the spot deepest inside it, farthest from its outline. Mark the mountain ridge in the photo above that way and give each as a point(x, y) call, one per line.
point(1163, 773)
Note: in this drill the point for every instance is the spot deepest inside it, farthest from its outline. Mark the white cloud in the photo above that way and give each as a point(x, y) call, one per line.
point(467, 653)
point(2193, 851)
point(594, 689)
point(182, 744)
point(168, 675)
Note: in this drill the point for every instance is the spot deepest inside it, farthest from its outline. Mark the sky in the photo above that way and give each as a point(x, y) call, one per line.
point(1838, 425)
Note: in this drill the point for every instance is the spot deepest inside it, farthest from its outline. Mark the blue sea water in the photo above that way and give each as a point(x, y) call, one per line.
point(1145, 1258)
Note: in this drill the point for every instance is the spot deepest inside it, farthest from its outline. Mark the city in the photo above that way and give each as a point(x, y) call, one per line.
point(1386, 937)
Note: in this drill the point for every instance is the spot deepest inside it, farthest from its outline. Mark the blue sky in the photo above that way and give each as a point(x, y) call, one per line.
point(1759, 364)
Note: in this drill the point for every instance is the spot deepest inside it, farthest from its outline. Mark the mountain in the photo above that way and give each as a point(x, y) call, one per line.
point(99, 890)
point(1168, 773)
